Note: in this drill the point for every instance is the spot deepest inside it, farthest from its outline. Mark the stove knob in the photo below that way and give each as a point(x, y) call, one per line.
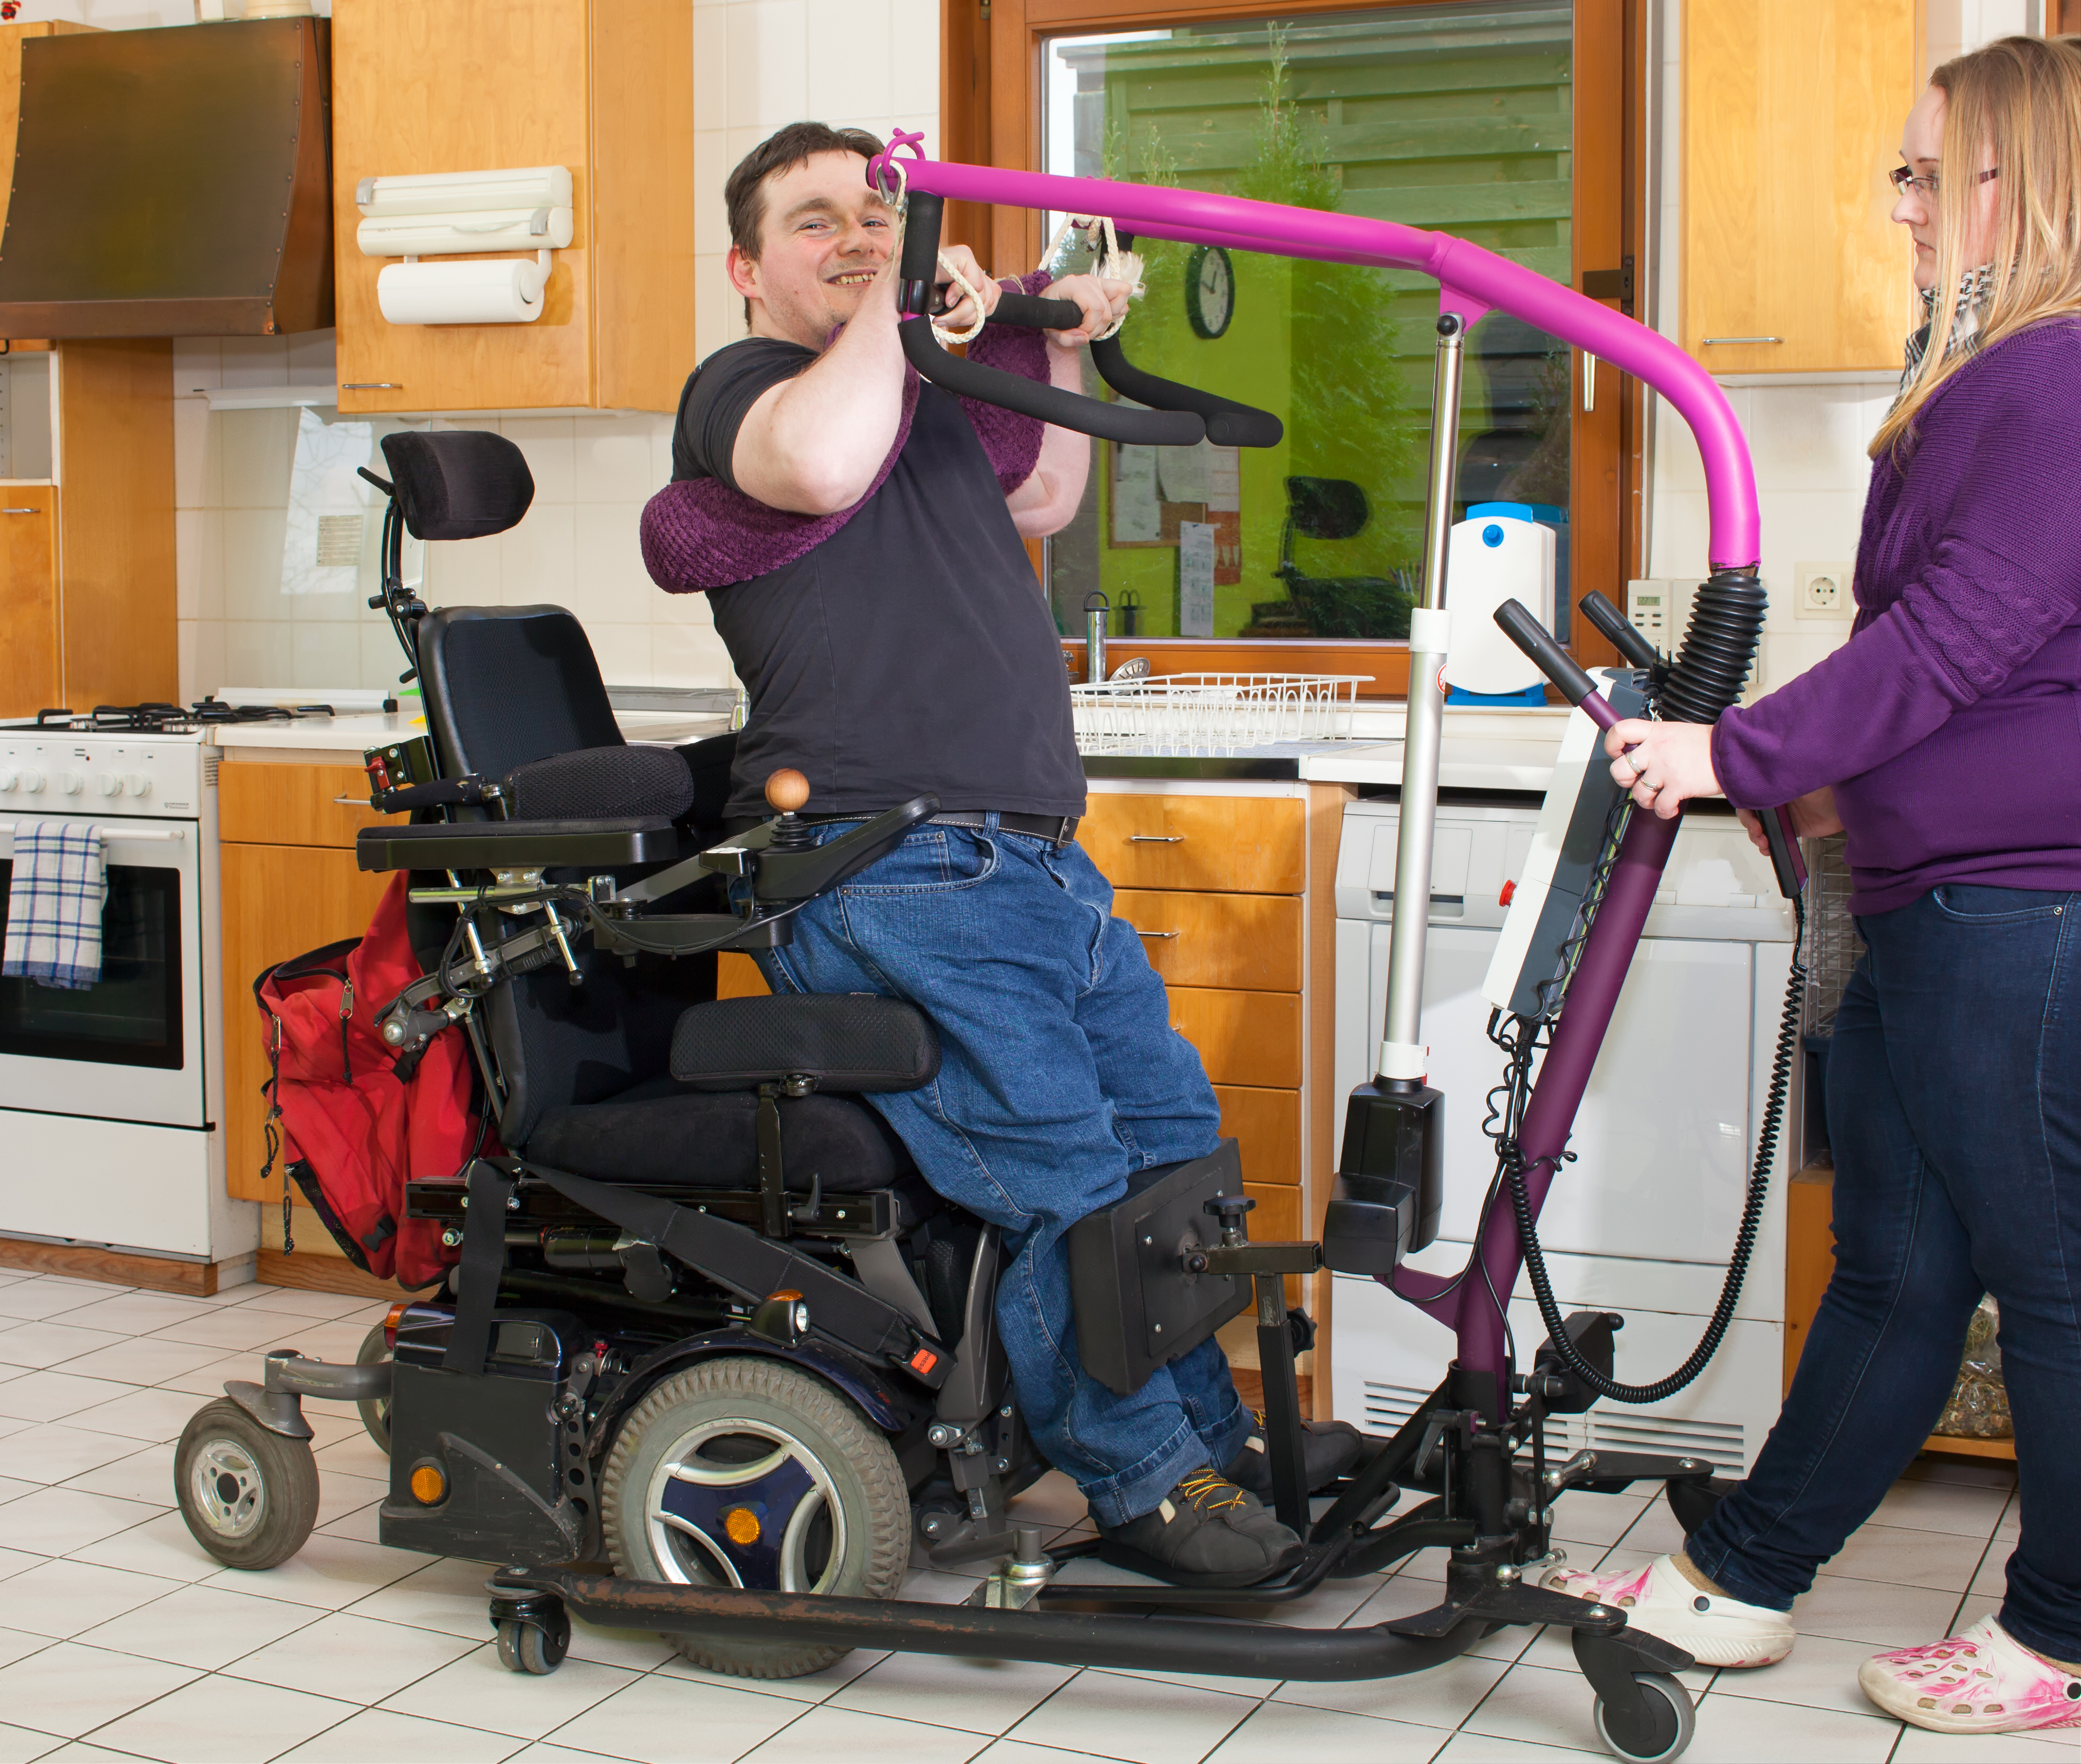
point(33, 782)
point(8, 778)
point(111, 784)
point(139, 783)
point(71, 783)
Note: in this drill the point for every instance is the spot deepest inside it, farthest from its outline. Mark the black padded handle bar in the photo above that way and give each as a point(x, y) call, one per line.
point(919, 268)
point(1037, 312)
point(1228, 424)
point(1548, 656)
point(1629, 643)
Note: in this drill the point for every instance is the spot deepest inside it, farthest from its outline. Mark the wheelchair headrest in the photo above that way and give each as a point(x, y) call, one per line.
point(458, 483)
point(602, 783)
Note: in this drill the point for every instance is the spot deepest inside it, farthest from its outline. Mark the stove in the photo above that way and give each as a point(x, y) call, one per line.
point(163, 719)
point(110, 1096)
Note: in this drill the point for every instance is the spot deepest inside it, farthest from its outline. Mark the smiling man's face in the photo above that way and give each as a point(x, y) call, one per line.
point(823, 239)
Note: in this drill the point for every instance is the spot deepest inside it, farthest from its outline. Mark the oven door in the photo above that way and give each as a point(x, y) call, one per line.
point(129, 1047)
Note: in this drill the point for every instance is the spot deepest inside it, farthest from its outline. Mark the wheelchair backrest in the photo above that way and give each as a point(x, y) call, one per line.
point(507, 684)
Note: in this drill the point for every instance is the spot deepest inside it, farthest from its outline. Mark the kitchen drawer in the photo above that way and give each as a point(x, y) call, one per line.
point(1250, 1038)
point(260, 802)
point(1266, 1124)
point(1252, 942)
point(1224, 844)
point(1276, 1220)
point(738, 977)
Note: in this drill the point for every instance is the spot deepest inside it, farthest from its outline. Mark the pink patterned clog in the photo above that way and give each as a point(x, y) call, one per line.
point(1982, 1681)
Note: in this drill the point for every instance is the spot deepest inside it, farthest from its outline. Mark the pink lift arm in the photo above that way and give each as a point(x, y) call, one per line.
point(1471, 282)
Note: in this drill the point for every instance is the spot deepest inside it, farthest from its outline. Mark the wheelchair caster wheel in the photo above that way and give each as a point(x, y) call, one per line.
point(534, 1631)
point(247, 1496)
point(1657, 1726)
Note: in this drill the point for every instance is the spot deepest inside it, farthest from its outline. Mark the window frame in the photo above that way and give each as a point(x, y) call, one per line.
point(990, 114)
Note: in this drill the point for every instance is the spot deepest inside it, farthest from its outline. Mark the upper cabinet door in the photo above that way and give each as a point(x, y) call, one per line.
point(1792, 113)
point(604, 89)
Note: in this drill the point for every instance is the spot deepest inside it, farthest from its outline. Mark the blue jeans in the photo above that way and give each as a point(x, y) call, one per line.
point(1954, 1110)
point(1059, 1073)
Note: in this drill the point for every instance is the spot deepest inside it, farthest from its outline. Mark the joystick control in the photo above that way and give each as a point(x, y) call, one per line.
point(786, 791)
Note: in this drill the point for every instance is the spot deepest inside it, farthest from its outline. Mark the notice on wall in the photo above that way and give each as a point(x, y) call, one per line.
point(1137, 520)
point(1181, 473)
point(1195, 578)
point(1225, 509)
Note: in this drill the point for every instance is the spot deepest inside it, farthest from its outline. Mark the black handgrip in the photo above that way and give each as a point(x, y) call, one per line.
point(920, 265)
point(1785, 858)
point(1627, 641)
point(1037, 312)
point(1556, 663)
point(1228, 424)
point(1049, 403)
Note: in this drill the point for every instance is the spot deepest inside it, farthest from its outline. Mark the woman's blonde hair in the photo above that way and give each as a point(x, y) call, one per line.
point(2014, 104)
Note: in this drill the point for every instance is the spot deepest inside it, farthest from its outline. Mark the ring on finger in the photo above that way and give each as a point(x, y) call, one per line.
point(1639, 765)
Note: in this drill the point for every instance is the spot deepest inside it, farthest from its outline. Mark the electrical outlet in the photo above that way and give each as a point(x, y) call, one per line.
point(1822, 591)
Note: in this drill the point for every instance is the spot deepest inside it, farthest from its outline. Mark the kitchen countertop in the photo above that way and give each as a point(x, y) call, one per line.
point(325, 737)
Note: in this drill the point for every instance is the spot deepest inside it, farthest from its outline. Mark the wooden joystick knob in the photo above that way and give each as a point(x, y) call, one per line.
point(787, 790)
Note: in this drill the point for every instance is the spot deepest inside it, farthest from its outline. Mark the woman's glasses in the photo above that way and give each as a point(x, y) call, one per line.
point(1904, 177)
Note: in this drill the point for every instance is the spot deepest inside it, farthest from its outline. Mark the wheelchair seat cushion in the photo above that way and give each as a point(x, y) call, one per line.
point(855, 1041)
point(663, 1132)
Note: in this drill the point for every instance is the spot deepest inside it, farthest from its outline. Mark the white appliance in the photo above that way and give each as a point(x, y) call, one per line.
point(1643, 1221)
point(1492, 558)
point(111, 1096)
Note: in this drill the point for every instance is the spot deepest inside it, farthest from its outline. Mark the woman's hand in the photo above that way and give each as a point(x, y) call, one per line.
point(1100, 300)
point(962, 313)
point(1812, 817)
point(1670, 762)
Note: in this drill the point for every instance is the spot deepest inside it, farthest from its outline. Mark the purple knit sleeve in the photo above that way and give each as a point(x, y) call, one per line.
point(1012, 441)
point(699, 533)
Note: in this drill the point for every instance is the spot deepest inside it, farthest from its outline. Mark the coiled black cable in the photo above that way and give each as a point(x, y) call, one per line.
point(1752, 1206)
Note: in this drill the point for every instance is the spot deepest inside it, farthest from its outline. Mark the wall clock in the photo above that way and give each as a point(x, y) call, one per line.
point(1209, 291)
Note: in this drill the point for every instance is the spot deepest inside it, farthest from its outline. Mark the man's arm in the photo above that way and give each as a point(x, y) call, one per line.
point(812, 444)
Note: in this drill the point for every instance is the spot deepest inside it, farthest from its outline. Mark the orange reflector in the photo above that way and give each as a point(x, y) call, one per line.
point(742, 1525)
point(923, 1361)
point(430, 1488)
point(785, 1292)
point(390, 1321)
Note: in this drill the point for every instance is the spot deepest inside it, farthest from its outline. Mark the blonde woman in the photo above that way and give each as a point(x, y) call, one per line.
point(1945, 738)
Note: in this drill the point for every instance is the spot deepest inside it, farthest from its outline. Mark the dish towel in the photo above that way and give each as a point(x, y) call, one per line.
point(54, 904)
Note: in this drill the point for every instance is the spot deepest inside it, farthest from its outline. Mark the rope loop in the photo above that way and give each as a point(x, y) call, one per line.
point(1100, 238)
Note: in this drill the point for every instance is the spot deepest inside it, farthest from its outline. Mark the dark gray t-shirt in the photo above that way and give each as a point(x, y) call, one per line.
point(911, 651)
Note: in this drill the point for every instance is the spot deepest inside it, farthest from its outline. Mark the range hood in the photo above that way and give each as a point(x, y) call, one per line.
point(174, 183)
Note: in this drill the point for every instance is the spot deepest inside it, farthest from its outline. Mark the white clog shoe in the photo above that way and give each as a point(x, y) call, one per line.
point(1982, 1681)
point(1714, 1630)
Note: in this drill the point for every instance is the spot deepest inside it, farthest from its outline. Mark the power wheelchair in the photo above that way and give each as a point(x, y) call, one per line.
point(714, 1360)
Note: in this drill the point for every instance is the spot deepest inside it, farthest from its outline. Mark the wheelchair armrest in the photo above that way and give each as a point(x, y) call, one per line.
point(785, 876)
point(517, 845)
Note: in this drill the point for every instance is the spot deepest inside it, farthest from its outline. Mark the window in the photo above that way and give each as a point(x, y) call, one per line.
point(1467, 117)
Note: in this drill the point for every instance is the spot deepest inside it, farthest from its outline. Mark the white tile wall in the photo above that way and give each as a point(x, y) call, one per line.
point(758, 64)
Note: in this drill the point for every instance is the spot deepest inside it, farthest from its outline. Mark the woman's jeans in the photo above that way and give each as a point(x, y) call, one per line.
point(1059, 1073)
point(1954, 1111)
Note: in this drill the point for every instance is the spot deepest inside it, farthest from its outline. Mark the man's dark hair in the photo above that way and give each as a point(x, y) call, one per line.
point(745, 194)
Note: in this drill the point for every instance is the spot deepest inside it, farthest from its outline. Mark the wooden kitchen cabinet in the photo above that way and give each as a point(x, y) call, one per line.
point(28, 599)
point(289, 886)
point(603, 88)
point(1792, 117)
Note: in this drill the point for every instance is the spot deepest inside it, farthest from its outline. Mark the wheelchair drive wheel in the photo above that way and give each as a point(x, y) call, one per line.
point(249, 1496)
point(1657, 1728)
point(376, 1411)
point(748, 1472)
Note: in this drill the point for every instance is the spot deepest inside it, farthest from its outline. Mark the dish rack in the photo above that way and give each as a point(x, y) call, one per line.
point(1214, 714)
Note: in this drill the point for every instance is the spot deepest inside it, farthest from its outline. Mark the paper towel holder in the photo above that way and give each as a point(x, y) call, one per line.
point(468, 214)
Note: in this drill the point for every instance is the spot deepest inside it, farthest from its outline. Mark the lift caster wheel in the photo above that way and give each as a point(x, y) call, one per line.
point(534, 1633)
point(248, 1496)
point(1657, 1726)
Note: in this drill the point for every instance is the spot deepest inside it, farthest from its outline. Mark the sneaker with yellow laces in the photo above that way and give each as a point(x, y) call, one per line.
point(1206, 1532)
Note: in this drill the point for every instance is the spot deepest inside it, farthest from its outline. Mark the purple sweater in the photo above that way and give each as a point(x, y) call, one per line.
point(1950, 723)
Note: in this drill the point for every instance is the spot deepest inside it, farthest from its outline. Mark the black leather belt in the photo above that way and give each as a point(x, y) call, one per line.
point(1058, 829)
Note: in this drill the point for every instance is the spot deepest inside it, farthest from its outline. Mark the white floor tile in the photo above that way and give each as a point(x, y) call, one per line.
point(52, 1343)
point(207, 1380)
point(1055, 1500)
point(1141, 1719)
point(147, 1475)
point(364, 1525)
point(19, 1745)
point(639, 1650)
point(137, 1313)
point(152, 1414)
point(203, 1626)
point(351, 1657)
point(14, 1562)
point(62, 1598)
point(1441, 1698)
point(295, 1302)
point(11, 1489)
point(445, 1595)
point(1287, 1733)
point(355, 1455)
point(328, 1572)
point(1540, 1706)
point(1020, 1752)
point(62, 1521)
point(238, 1327)
point(1655, 1532)
point(1479, 1749)
point(1943, 1506)
point(340, 1495)
point(1945, 1561)
point(52, 1397)
point(984, 1696)
point(68, 1690)
point(161, 1546)
point(1992, 1582)
point(15, 1644)
point(51, 1452)
point(378, 1733)
point(1867, 1611)
point(476, 1691)
point(1738, 1730)
point(1919, 1747)
point(140, 1359)
point(827, 1732)
point(662, 1720)
point(1596, 1518)
point(28, 1300)
point(203, 1724)
point(79, 1752)
point(1818, 1673)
